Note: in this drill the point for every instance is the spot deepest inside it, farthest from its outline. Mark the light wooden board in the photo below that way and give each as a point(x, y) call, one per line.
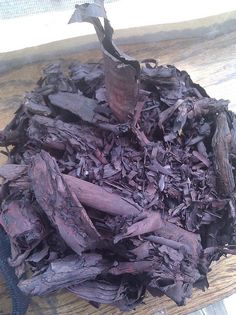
point(211, 63)
point(222, 281)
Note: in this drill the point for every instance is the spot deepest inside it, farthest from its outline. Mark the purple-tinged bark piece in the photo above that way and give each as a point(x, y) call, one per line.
point(22, 223)
point(77, 104)
point(88, 194)
point(14, 133)
point(178, 237)
point(97, 197)
point(56, 134)
point(135, 267)
point(61, 205)
point(12, 171)
point(221, 145)
point(65, 272)
point(122, 293)
point(121, 71)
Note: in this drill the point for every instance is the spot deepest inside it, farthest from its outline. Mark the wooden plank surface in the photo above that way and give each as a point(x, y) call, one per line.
point(222, 281)
point(211, 63)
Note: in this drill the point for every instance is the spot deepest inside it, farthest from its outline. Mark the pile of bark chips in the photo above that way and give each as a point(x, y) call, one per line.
point(120, 180)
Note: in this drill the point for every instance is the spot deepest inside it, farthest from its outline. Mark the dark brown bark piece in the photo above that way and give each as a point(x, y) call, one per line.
point(122, 294)
point(88, 194)
point(98, 291)
point(233, 134)
point(121, 80)
point(207, 106)
point(168, 242)
point(14, 132)
point(77, 104)
point(178, 292)
point(61, 205)
point(98, 198)
point(221, 145)
point(59, 135)
point(153, 222)
point(65, 272)
point(166, 114)
point(12, 171)
point(136, 267)
point(121, 71)
point(37, 109)
point(22, 223)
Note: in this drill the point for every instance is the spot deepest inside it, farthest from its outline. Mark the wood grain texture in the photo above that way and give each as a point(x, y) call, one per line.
point(211, 63)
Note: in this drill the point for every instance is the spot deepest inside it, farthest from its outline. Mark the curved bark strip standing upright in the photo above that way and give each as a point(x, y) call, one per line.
point(121, 71)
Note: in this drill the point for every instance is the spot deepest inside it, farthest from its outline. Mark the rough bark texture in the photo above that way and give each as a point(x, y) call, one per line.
point(109, 209)
point(221, 144)
point(71, 270)
point(61, 206)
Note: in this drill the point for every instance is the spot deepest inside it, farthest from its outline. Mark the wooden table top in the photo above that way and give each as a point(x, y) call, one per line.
point(212, 63)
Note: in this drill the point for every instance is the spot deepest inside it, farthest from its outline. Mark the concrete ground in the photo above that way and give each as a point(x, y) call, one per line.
point(48, 21)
